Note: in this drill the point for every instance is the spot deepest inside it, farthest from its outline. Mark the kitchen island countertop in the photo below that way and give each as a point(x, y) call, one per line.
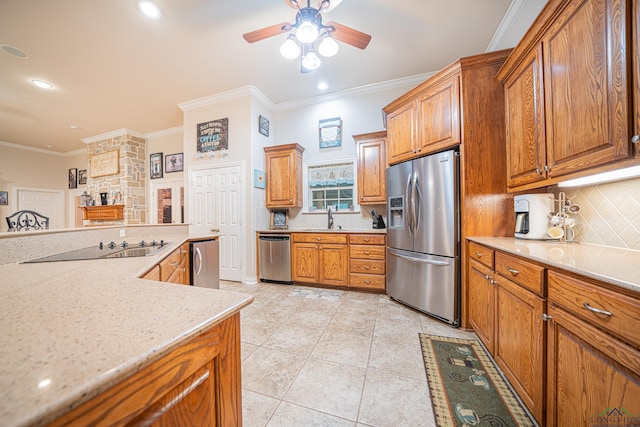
point(612, 265)
point(72, 329)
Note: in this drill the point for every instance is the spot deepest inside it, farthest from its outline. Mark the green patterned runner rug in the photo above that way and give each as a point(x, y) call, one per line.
point(466, 388)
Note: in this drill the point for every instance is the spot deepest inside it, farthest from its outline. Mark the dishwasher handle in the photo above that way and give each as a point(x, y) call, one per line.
point(273, 238)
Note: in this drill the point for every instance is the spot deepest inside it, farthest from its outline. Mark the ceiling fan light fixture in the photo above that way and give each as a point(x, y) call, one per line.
point(328, 47)
point(307, 32)
point(311, 61)
point(290, 49)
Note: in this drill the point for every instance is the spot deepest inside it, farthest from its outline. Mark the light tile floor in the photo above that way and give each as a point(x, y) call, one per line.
point(319, 357)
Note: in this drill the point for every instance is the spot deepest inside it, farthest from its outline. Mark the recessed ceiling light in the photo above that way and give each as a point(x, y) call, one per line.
point(74, 127)
point(323, 85)
point(49, 146)
point(42, 84)
point(14, 51)
point(149, 9)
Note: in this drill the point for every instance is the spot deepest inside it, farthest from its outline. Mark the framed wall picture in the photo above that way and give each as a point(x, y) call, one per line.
point(330, 132)
point(213, 136)
point(4, 198)
point(73, 178)
point(155, 165)
point(103, 164)
point(82, 177)
point(279, 220)
point(263, 125)
point(259, 179)
point(174, 162)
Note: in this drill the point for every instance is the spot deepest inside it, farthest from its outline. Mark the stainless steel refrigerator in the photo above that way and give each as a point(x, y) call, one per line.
point(423, 238)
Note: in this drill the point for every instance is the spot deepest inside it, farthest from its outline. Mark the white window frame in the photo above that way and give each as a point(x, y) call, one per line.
point(306, 197)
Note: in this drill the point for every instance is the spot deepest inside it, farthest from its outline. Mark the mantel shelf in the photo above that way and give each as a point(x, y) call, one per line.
point(105, 212)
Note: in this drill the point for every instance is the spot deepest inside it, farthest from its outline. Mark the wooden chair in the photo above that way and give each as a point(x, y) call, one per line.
point(27, 219)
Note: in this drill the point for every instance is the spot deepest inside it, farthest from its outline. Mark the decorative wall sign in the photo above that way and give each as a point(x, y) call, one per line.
point(279, 220)
point(263, 125)
point(155, 165)
point(107, 163)
point(82, 177)
point(73, 178)
point(173, 162)
point(213, 136)
point(4, 198)
point(259, 179)
point(330, 132)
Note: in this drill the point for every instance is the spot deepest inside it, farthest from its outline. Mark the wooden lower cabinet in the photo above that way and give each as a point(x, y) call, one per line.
point(320, 258)
point(519, 342)
point(592, 377)
point(196, 384)
point(174, 268)
point(482, 303)
point(367, 261)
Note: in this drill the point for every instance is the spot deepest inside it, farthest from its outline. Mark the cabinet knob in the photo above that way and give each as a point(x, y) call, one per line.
point(539, 171)
point(478, 254)
point(547, 168)
point(635, 139)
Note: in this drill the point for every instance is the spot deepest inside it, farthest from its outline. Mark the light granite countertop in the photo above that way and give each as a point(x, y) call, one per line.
point(616, 266)
point(72, 329)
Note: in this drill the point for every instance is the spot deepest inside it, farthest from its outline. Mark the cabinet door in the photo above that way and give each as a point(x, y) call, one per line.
point(305, 258)
point(439, 116)
point(586, 94)
point(524, 105)
point(371, 172)
point(482, 307)
point(401, 133)
point(592, 377)
point(283, 165)
point(519, 346)
point(334, 265)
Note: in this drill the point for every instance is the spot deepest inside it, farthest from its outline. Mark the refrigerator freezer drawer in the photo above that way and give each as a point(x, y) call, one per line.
point(425, 282)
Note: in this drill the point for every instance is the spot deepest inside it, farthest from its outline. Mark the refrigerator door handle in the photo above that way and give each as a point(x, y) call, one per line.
point(408, 205)
point(199, 261)
point(416, 200)
point(420, 260)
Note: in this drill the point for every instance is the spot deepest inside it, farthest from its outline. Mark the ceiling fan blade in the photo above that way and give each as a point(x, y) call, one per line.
point(292, 4)
point(349, 36)
point(266, 32)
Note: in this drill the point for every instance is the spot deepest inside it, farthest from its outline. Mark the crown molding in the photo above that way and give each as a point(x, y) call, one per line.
point(509, 18)
point(356, 91)
point(112, 134)
point(226, 96)
point(42, 150)
point(164, 132)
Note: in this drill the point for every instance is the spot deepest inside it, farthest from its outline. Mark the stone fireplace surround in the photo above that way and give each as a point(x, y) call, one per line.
point(130, 180)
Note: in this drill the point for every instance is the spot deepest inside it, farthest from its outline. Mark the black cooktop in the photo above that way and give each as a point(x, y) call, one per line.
point(106, 250)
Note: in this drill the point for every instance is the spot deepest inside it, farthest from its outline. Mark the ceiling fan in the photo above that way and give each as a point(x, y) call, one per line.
point(308, 34)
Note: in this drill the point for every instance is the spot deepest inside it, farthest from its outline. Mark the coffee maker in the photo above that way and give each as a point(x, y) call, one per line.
point(532, 215)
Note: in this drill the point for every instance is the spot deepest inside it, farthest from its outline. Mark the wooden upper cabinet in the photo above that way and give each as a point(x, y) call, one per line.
point(401, 133)
point(284, 176)
point(567, 91)
point(524, 104)
point(439, 116)
point(372, 161)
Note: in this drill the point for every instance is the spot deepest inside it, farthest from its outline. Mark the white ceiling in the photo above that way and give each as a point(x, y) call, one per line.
point(114, 68)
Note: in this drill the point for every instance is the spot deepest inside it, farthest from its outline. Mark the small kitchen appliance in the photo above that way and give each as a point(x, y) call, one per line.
point(532, 216)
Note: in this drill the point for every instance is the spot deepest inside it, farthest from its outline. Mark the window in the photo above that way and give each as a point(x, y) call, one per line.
point(331, 186)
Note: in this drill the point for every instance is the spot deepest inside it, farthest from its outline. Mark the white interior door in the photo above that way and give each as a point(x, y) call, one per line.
point(217, 195)
point(49, 203)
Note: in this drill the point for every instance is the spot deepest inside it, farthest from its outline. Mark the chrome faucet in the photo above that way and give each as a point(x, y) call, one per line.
point(329, 219)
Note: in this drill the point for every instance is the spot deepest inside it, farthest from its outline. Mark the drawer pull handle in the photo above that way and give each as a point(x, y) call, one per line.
point(478, 254)
point(597, 310)
point(317, 239)
point(513, 271)
point(367, 252)
point(367, 240)
point(366, 267)
point(173, 264)
point(367, 282)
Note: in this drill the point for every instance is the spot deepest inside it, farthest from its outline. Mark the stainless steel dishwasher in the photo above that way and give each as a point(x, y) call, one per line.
point(274, 254)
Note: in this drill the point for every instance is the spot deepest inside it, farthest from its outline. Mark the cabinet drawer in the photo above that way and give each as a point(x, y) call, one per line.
point(367, 266)
point(524, 273)
point(367, 281)
point(319, 238)
point(367, 239)
point(169, 264)
point(366, 252)
point(576, 296)
point(482, 254)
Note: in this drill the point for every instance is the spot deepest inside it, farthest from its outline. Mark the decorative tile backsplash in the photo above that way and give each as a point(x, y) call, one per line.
point(609, 213)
